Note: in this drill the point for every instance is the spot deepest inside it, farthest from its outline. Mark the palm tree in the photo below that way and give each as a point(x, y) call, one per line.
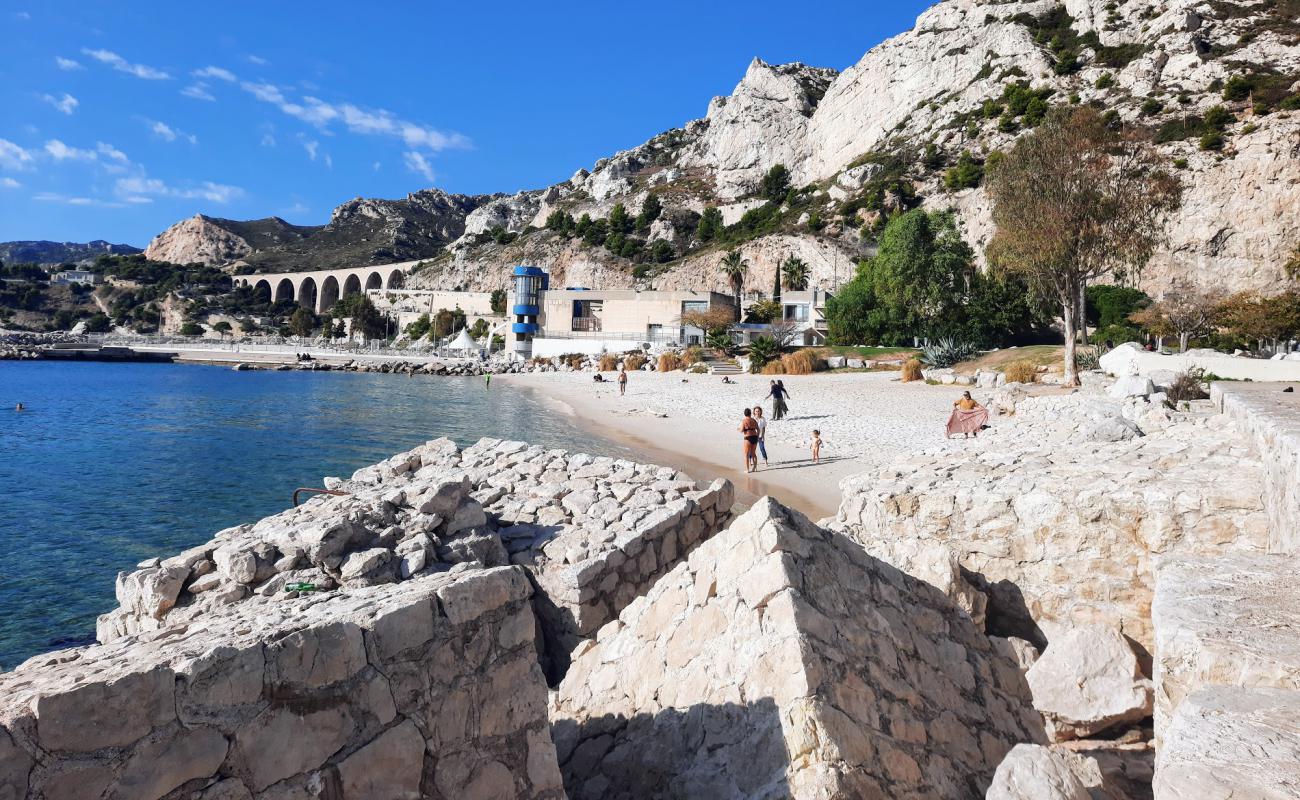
point(734, 266)
point(794, 273)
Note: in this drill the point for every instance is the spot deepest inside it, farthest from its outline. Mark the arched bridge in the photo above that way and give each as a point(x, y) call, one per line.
point(320, 289)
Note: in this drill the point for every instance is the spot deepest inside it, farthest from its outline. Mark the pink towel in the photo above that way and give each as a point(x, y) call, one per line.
point(967, 421)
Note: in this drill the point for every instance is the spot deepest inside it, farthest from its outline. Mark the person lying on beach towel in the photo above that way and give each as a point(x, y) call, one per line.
point(968, 417)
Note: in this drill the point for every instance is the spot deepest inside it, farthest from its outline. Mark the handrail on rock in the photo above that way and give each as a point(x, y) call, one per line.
point(301, 489)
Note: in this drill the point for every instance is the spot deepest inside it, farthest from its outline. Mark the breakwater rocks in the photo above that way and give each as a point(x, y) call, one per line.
point(22, 345)
point(594, 533)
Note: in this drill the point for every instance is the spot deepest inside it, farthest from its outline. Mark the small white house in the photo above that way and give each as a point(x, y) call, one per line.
point(70, 276)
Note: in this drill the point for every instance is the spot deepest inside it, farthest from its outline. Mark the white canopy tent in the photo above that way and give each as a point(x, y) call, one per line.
point(463, 343)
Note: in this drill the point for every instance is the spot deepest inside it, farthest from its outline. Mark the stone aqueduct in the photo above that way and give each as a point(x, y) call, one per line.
point(320, 289)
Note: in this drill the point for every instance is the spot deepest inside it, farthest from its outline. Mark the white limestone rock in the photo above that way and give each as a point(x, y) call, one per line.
point(1132, 386)
point(1088, 680)
point(1035, 772)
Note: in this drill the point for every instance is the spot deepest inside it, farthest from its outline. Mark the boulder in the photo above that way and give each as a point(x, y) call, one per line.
point(1088, 680)
point(1132, 386)
point(1034, 772)
point(1112, 429)
point(1121, 361)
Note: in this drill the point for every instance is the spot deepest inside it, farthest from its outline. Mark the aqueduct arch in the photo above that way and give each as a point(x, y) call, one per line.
point(329, 293)
point(263, 292)
point(374, 281)
point(352, 285)
point(285, 290)
point(395, 279)
point(307, 294)
point(321, 289)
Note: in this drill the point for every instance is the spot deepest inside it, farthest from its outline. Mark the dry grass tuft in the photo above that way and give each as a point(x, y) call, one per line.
point(1023, 371)
point(669, 362)
point(803, 362)
point(634, 362)
point(608, 362)
point(774, 367)
point(911, 370)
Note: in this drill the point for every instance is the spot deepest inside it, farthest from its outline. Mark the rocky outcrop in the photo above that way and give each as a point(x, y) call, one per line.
point(200, 240)
point(52, 254)
point(780, 660)
point(430, 689)
point(1034, 772)
point(1060, 530)
point(763, 122)
point(594, 534)
point(1230, 743)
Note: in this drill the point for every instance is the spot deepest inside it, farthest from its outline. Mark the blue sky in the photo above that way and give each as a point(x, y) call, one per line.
point(121, 118)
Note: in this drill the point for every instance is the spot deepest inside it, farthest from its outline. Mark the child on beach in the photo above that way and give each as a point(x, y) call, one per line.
point(816, 446)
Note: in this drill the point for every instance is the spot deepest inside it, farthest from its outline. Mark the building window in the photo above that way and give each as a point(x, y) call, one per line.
point(795, 312)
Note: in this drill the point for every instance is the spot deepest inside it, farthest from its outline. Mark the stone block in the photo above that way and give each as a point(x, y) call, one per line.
point(1088, 680)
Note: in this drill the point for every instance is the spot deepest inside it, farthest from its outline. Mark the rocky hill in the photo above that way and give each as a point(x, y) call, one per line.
point(55, 253)
point(360, 232)
point(970, 77)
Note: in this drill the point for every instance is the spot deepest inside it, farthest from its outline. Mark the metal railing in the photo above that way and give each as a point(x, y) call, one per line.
point(278, 346)
point(586, 324)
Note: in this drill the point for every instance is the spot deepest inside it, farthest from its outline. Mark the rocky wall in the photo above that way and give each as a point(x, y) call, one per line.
point(1060, 514)
point(593, 533)
point(1270, 417)
point(428, 689)
point(779, 660)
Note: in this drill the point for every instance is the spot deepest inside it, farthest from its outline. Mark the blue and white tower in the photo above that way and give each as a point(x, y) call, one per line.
point(530, 282)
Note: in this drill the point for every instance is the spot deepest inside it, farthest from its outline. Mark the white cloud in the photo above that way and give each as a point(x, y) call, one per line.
point(9, 183)
point(61, 152)
point(12, 156)
point(215, 72)
point(22, 15)
point(167, 133)
point(355, 119)
point(376, 166)
point(198, 91)
point(55, 197)
point(67, 64)
point(122, 65)
point(329, 161)
point(417, 163)
point(311, 147)
point(258, 60)
point(67, 103)
point(112, 153)
point(268, 139)
point(138, 189)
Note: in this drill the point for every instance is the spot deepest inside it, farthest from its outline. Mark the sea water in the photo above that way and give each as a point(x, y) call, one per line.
point(111, 464)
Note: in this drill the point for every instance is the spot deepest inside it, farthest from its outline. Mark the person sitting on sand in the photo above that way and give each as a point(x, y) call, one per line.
point(598, 378)
point(968, 417)
point(749, 432)
point(762, 433)
point(816, 446)
point(727, 379)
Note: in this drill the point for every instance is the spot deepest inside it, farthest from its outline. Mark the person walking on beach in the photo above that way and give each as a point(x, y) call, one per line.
point(778, 394)
point(762, 433)
point(749, 432)
point(622, 381)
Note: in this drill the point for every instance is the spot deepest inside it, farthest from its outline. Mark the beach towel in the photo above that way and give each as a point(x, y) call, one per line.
point(967, 421)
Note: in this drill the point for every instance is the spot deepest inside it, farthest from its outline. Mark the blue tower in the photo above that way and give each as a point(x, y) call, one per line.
point(530, 282)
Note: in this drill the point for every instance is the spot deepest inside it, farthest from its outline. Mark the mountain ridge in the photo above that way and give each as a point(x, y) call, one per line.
point(970, 77)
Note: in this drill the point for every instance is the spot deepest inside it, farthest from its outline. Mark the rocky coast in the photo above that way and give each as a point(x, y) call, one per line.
point(1090, 603)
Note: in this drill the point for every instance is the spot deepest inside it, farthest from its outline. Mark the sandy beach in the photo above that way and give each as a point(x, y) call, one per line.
point(691, 421)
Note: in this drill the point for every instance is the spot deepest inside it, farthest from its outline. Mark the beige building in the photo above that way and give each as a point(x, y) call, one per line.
point(593, 321)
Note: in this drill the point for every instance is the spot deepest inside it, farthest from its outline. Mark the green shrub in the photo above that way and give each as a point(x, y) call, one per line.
point(1151, 107)
point(1212, 140)
point(967, 174)
point(1105, 81)
point(776, 183)
point(762, 349)
point(947, 352)
point(191, 329)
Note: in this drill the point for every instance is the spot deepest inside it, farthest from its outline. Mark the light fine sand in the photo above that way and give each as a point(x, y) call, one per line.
point(692, 422)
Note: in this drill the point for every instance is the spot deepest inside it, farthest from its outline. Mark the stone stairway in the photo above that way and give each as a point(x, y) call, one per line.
point(722, 366)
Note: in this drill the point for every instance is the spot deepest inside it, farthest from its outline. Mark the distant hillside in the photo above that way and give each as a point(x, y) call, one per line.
point(360, 232)
point(54, 253)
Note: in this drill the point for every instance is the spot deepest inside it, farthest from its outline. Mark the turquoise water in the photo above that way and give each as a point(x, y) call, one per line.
point(115, 463)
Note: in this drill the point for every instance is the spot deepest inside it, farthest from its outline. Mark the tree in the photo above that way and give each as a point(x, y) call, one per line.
point(710, 225)
point(191, 329)
point(619, 221)
point(967, 174)
point(1076, 200)
point(762, 349)
point(776, 183)
point(366, 319)
point(302, 322)
point(222, 328)
point(1182, 314)
point(1260, 318)
point(98, 323)
point(498, 301)
point(795, 274)
point(650, 211)
point(661, 252)
point(1292, 266)
point(712, 320)
point(480, 328)
point(763, 311)
point(734, 266)
point(1109, 305)
point(922, 273)
point(847, 314)
point(419, 329)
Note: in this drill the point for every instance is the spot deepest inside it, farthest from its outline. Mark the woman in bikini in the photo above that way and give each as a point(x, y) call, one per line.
point(749, 432)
